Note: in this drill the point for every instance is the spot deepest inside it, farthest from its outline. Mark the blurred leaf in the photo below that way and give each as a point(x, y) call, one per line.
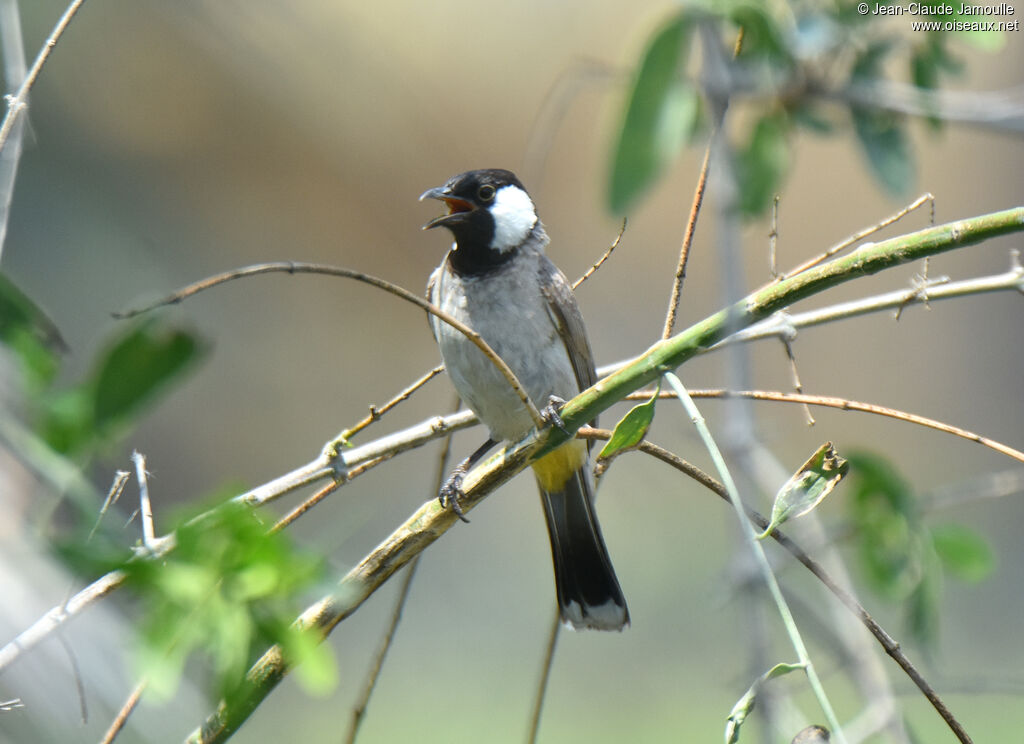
point(761, 35)
point(145, 360)
point(632, 427)
point(315, 668)
point(30, 333)
point(66, 423)
point(986, 41)
point(228, 590)
point(881, 133)
point(884, 513)
point(808, 487)
point(924, 605)
point(963, 552)
point(808, 117)
point(903, 558)
point(19, 312)
point(660, 116)
point(885, 143)
point(929, 60)
point(763, 163)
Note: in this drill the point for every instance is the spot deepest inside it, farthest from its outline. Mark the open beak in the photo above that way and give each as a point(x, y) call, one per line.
point(455, 206)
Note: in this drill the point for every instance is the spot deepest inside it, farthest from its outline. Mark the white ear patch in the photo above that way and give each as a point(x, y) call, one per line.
point(514, 217)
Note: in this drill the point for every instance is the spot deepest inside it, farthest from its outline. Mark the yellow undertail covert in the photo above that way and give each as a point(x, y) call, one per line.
point(554, 469)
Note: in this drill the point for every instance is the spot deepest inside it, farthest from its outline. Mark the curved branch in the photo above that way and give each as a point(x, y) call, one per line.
point(302, 267)
point(17, 105)
point(844, 404)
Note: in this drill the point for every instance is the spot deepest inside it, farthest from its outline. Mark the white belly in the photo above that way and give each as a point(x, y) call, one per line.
point(508, 310)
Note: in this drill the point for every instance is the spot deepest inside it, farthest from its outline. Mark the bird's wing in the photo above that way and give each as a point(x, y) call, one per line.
point(565, 313)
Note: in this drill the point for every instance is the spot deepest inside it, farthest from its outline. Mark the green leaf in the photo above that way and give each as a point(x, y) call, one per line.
point(66, 423)
point(884, 140)
point(138, 366)
point(925, 602)
point(762, 164)
point(881, 133)
point(762, 36)
point(30, 333)
point(808, 487)
point(888, 528)
point(660, 116)
point(632, 427)
point(227, 591)
point(963, 552)
point(316, 670)
point(18, 312)
point(745, 704)
point(806, 115)
point(986, 41)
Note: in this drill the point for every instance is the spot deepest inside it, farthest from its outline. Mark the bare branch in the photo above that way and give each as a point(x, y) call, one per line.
point(698, 200)
point(545, 675)
point(845, 405)
point(17, 105)
point(299, 267)
point(122, 715)
point(861, 234)
point(604, 257)
point(145, 506)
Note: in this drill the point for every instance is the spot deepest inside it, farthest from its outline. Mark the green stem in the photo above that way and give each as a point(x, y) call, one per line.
point(430, 521)
point(758, 550)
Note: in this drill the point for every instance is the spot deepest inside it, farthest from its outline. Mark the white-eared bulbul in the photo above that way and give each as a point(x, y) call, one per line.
point(497, 280)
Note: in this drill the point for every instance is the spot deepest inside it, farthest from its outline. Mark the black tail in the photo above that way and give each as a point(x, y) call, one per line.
point(588, 592)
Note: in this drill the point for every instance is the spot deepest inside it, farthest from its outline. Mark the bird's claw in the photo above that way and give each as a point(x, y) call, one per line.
point(451, 492)
point(550, 413)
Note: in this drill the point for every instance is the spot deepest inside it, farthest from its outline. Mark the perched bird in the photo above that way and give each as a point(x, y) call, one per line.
point(497, 280)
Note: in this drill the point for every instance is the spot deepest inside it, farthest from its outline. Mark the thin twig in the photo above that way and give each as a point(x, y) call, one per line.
point(359, 709)
point(17, 104)
point(301, 267)
point(891, 646)
point(844, 404)
point(797, 386)
point(757, 550)
point(607, 254)
point(773, 239)
point(437, 426)
point(684, 251)
point(785, 324)
point(116, 489)
point(305, 506)
point(13, 46)
point(545, 676)
point(76, 674)
point(1002, 110)
point(861, 234)
point(122, 715)
point(552, 110)
point(695, 205)
point(625, 379)
point(57, 616)
point(145, 506)
point(377, 411)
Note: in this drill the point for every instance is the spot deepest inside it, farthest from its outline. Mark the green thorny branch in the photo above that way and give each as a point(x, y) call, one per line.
point(430, 521)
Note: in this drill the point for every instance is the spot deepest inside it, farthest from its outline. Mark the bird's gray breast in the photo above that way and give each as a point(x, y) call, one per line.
point(509, 310)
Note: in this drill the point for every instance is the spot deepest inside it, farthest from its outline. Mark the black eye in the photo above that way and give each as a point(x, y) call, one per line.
point(486, 192)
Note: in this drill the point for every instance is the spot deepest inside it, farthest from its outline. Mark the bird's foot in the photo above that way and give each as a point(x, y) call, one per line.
point(451, 492)
point(550, 413)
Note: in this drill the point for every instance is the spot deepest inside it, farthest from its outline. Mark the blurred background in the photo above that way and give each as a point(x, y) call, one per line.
point(170, 141)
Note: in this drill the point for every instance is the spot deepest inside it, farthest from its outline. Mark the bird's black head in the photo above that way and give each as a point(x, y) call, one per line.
point(489, 213)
